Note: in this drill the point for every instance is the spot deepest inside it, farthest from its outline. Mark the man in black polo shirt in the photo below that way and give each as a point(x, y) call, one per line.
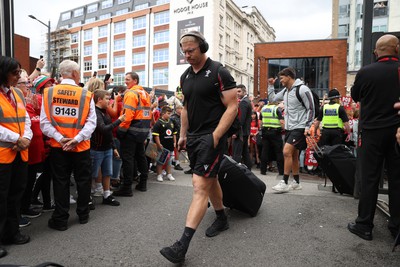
point(376, 87)
point(210, 107)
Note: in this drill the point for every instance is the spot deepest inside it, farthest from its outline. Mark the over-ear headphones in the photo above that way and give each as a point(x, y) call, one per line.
point(203, 45)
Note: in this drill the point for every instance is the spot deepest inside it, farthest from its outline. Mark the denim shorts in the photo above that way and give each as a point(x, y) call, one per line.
point(103, 160)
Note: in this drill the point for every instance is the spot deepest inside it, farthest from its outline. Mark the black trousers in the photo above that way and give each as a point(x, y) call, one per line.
point(33, 169)
point(62, 165)
point(240, 150)
point(43, 184)
point(132, 151)
point(13, 179)
point(331, 137)
point(378, 146)
point(272, 140)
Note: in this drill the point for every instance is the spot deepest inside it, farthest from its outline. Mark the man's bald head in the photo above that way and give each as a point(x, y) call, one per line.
point(387, 45)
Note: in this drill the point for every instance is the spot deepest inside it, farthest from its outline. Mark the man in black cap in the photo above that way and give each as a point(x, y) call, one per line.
point(334, 120)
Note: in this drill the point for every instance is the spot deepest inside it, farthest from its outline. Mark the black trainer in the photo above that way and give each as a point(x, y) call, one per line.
point(190, 171)
point(110, 200)
point(30, 213)
point(217, 227)
point(124, 191)
point(175, 253)
point(178, 167)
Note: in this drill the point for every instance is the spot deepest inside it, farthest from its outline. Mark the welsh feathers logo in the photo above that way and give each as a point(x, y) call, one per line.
point(189, 1)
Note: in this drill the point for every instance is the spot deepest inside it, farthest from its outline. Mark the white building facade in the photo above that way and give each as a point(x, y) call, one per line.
point(118, 36)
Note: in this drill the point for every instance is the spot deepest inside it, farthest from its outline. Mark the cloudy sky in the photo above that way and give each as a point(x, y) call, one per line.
point(291, 19)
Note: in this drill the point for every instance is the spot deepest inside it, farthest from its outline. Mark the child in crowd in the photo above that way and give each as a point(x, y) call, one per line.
point(164, 135)
point(102, 146)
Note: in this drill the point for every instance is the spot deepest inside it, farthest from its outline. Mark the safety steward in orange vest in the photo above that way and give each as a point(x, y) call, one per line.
point(15, 136)
point(132, 134)
point(68, 118)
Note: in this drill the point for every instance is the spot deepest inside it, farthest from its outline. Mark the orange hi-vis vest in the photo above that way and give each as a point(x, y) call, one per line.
point(12, 118)
point(137, 109)
point(67, 108)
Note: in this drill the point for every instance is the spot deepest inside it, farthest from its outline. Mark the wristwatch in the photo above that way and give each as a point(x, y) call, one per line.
point(38, 69)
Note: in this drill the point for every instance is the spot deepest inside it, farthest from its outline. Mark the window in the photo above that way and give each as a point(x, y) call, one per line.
point(344, 11)
point(102, 63)
point(142, 6)
point(119, 61)
point(138, 58)
point(221, 21)
point(139, 23)
point(139, 40)
point(119, 44)
point(160, 2)
point(90, 20)
point(92, 8)
point(122, 11)
point(74, 37)
point(103, 31)
point(228, 21)
point(142, 76)
point(119, 78)
point(87, 65)
point(221, 40)
point(74, 52)
point(119, 27)
point(88, 34)
point(66, 16)
point(102, 48)
point(161, 18)
point(78, 12)
point(76, 24)
point(160, 76)
point(122, 1)
point(228, 40)
point(161, 55)
point(105, 16)
point(161, 37)
point(106, 4)
point(315, 71)
point(86, 79)
point(343, 30)
point(236, 45)
point(87, 50)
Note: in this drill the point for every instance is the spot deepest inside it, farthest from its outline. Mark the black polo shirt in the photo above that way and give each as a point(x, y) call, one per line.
point(202, 96)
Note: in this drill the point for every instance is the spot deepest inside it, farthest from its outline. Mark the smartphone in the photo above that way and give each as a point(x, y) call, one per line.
point(41, 56)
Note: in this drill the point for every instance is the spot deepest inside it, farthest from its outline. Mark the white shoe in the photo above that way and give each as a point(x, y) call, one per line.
point(295, 186)
point(170, 177)
point(72, 200)
point(159, 178)
point(282, 187)
point(98, 192)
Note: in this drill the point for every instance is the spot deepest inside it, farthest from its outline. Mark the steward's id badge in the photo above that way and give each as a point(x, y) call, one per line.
point(63, 111)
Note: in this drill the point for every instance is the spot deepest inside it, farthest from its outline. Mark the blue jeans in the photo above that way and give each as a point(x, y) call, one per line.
point(103, 160)
point(117, 162)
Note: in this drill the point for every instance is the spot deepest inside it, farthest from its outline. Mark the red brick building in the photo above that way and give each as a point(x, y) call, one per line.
point(322, 64)
point(21, 53)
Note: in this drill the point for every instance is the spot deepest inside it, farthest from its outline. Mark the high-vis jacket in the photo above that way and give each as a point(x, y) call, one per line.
point(67, 108)
point(270, 117)
point(331, 119)
point(137, 109)
point(13, 119)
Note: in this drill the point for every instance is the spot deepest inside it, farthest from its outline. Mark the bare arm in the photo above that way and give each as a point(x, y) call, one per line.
point(184, 128)
point(229, 99)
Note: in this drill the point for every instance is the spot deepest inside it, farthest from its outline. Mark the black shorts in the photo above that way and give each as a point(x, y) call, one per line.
point(204, 158)
point(296, 138)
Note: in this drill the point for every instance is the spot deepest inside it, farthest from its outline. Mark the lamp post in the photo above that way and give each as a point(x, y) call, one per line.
point(48, 40)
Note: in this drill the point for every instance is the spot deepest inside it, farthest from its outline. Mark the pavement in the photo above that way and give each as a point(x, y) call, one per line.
point(301, 228)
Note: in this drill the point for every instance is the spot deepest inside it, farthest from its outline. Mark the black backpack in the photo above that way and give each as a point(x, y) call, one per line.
point(236, 126)
point(315, 100)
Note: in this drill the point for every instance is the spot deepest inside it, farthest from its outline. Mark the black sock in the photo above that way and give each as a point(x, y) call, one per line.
point(286, 178)
point(220, 214)
point(187, 236)
point(296, 178)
